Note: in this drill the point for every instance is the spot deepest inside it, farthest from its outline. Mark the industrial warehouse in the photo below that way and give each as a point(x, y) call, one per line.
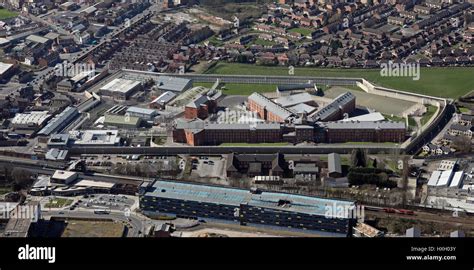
point(254, 207)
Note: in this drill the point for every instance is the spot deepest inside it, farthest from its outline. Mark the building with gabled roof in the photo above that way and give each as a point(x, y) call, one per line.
point(200, 107)
point(343, 104)
point(267, 109)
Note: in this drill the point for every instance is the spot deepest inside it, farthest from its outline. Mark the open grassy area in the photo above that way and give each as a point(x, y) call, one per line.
point(5, 190)
point(87, 228)
point(226, 10)
point(450, 82)
point(58, 203)
point(429, 113)
point(5, 14)
point(385, 105)
point(301, 30)
point(464, 110)
point(244, 89)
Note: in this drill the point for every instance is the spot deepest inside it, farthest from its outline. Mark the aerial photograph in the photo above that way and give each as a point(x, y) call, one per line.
point(270, 124)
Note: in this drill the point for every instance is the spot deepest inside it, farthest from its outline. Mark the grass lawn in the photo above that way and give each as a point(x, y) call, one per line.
point(5, 14)
point(464, 110)
point(429, 113)
point(157, 140)
point(58, 203)
point(302, 30)
point(213, 41)
point(443, 82)
point(4, 190)
point(244, 89)
point(255, 144)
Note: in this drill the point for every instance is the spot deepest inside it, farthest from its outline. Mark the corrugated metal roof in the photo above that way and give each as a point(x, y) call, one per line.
point(164, 98)
point(172, 83)
point(59, 120)
point(328, 110)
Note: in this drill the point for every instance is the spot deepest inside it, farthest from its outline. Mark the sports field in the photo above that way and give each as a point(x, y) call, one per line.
point(385, 105)
point(450, 82)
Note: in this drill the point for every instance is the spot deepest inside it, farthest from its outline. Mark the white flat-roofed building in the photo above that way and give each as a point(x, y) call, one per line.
point(82, 75)
point(143, 113)
point(120, 88)
point(37, 39)
point(30, 120)
point(434, 178)
point(94, 184)
point(6, 70)
point(56, 154)
point(457, 180)
point(97, 138)
point(445, 179)
point(63, 177)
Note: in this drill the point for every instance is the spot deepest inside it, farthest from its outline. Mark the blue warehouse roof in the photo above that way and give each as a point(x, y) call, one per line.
point(235, 197)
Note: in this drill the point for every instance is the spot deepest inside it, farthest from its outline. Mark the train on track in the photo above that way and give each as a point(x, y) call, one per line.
point(390, 210)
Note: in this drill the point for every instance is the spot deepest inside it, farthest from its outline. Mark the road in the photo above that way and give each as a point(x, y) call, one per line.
point(48, 168)
point(134, 223)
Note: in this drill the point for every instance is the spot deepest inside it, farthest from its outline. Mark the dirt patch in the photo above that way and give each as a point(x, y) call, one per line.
point(85, 228)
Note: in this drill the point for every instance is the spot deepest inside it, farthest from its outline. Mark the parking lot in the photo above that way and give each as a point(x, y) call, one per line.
point(212, 167)
point(112, 202)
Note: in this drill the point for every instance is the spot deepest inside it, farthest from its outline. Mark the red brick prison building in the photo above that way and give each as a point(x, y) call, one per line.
point(340, 132)
point(200, 107)
point(267, 109)
point(202, 133)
